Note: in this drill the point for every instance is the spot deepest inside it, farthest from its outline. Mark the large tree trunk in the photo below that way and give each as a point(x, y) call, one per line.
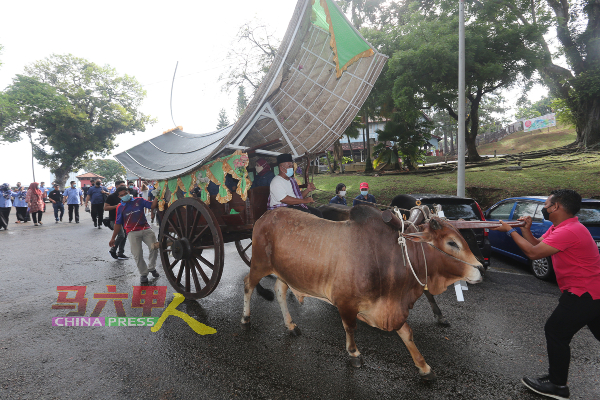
point(61, 175)
point(472, 154)
point(588, 125)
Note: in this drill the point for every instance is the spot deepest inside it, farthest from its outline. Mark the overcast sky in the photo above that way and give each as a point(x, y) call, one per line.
point(139, 38)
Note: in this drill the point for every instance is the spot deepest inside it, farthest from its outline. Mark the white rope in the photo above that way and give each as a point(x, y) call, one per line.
point(402, 243)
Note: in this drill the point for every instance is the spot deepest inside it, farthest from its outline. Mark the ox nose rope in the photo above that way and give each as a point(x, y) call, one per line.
point(403, 244)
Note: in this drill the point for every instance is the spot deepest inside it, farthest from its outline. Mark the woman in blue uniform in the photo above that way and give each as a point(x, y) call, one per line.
point(5, 204)
point(340, 195)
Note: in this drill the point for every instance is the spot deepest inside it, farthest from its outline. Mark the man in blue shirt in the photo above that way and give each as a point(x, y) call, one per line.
point(96, 195)
point(364, 197)
point(73, 197)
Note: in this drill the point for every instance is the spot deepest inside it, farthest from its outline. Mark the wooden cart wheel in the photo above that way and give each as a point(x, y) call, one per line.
point(244, 248)
point(191, 248)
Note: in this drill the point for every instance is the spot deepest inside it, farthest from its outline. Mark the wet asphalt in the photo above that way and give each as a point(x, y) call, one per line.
point(495, 338)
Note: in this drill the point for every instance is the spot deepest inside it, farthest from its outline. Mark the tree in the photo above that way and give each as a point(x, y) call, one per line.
point(223, 120)
point(537, 109)
point(577, 30)
point(74, 109)
point(250, 56)
point(242, 102)
point(410, 133)
point(424, 67)
point(111, 170)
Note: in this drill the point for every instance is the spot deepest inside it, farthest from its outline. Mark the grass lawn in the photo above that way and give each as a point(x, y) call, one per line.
point(487, 183)
point(531, 141)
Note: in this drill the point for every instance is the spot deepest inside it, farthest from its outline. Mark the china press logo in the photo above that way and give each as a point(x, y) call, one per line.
point(144, 297)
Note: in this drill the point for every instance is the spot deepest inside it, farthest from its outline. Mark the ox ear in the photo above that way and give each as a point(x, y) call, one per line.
point(418, 237)
point(434, 224)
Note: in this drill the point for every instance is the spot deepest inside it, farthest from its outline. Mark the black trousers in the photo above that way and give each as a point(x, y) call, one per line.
point(310, 210)
point(4, 214)
point(120, 240)
point(572, 313)
point(73, 207)
point(37, 216)
point(22, 214)
point(97, 212)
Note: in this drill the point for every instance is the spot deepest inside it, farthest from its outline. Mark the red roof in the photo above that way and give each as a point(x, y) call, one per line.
point(89, 175)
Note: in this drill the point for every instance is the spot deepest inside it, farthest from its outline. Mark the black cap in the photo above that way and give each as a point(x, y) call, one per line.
point(284, 158)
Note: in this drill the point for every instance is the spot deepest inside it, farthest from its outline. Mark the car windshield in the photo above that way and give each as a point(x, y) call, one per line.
point(456, 211)
point(589, 214)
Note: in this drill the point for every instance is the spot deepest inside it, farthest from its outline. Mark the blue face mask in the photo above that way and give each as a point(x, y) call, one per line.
point(126, 198)
point(290, 172)
point(364, 192)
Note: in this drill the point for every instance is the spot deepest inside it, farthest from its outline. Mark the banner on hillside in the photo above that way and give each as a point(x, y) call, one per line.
point(545, 121)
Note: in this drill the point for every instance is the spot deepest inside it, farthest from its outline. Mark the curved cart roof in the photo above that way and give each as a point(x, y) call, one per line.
point(322, 74)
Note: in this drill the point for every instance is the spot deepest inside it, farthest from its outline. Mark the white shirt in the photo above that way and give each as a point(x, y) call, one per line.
point(280, 188)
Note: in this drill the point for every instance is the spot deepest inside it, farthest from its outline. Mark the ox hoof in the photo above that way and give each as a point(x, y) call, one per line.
point(265, 293)
point(430, 377)
point(295, 331)
point(245, 324)
point(356, 362)
point(443, 322)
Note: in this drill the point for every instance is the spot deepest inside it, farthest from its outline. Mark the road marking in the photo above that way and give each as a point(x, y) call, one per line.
point(506, 271)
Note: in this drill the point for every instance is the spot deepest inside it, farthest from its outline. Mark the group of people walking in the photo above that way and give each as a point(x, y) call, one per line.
point(29, 203)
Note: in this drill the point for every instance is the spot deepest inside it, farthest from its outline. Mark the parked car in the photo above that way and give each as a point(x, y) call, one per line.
point(513, 208)
point(454, 208)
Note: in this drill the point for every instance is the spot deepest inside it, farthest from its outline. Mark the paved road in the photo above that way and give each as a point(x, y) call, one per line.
point(496, 336)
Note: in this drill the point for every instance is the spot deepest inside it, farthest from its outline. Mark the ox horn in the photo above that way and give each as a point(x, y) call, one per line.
point(483, 224)
point(389, 218)
point(416, 216)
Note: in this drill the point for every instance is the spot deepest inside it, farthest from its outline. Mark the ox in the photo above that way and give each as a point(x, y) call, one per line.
point(358, 266)
point(338, 212)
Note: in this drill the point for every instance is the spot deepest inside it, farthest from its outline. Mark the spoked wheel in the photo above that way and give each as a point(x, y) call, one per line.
point(244, 248)
point(191, 248)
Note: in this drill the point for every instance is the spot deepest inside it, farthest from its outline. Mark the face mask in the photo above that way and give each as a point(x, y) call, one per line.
point(259, 169)
point(126, 198)
point(97, 184)
point(131, 187)
point(364, 192)
point(73, 185)
point(290, 172)
point(545, 212)
point(342, 193)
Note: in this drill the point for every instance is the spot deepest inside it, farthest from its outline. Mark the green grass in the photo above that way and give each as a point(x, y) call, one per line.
point(486, 183)
point(531, 141)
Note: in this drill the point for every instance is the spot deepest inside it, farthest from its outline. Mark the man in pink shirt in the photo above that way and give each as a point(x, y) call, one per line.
point(576, 264)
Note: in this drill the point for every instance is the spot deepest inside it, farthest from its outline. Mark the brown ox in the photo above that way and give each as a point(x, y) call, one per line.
point(357, 265)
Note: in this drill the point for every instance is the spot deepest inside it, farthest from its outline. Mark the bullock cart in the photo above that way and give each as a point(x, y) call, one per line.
point(322, 74)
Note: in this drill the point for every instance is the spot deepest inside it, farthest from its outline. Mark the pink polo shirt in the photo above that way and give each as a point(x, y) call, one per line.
point(577, 264)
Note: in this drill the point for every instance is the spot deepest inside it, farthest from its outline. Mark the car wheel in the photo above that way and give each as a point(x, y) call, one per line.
point(542, 268)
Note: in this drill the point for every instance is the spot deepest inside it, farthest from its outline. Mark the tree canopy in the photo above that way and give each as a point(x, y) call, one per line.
point(422, 72)
point(73, 108)
point(111, 170)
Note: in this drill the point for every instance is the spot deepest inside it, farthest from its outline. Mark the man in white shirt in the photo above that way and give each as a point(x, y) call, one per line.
point(285, 191)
